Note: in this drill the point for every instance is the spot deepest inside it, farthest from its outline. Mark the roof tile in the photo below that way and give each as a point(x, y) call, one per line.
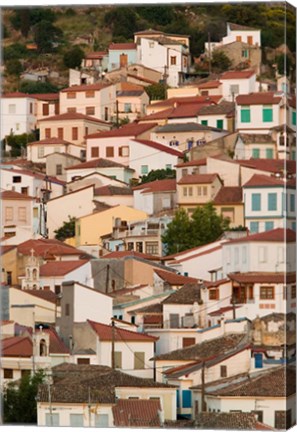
point(60, 268)
point(105, 333)
point(198, 179)
point(131, 129)
point(136, 413)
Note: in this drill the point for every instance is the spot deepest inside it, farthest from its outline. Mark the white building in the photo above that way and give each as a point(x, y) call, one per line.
point(236, 83)
point(18, 114)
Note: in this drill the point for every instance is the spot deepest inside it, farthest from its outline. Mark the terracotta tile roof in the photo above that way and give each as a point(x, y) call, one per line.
point(12, 195)
point(50, 141)
point(182, 110)
point(96, 163)
point(56, 345)
point(15, 95)
point(198, 179)
point(110, 190)
point(228, 421)
point(37, 175)
point(160, 147)
point(130, 93)
point(182, 127)
point(264, 98)
point(155, 309)
point(199, 162)
point(228, 194)
point(16, 346)
point(188, 100)
point(237, 74)
point(255, 138)
point(124, 254)
point(205, 350)
point(173, 278)
point(269, 165)
point(81, 383)
point(85, 87)
point(131, 129)
point(222, 108)
point(160, 115)
point(215, 284)
point(127, 86)
point(137, 413)
point(277, 235)
point(73, 116)
point(141, 78)
point(235, 27)
point(166, 185)
point(278, 382)
point(187, 294)
point(96, 55)
point(264, 180)
point(122, 46)
point(261, 277)
point(105, 333)
point(47, 247)
point(210, 85)
point(42, 294)
point(46, 96)
point(60, 268)
point(222, 311)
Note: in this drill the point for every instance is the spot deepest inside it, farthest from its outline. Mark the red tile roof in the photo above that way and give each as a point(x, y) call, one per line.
point(73, 116)
point(122, 46)
point(141, 78)
point(16, 346)
point(96, 55)
point(198, 162)
point(137, 413)
point(85, 87)
point(105, 333)
point(46, 295)
point(264, 180)
point(270, 165)
point(47, 247)
point(124, 254)
point(127, 86)
point(229, 195)
point(182, 110)
point(198, 179)
point(50, 141)
point(46, 96)
point(97, 163)
point(160, 147)
point(188, 100)
point(237, 74)
point(209, 85)
point(260, 277)
point(166, 185)
point(37, 175)
point(131, 129)
point(173, 278)
point(110, 190)
point(12, 195)
point(56, 345)
point(15, 95)
point(277, 235)
point(60, 268)
point(265, 98)
point(222, 311)
point(6, 248)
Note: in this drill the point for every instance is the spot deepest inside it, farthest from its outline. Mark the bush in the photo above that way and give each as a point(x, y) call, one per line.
point(32, 87)
point(14, 51)
point(220, 61)
point(73, 57)
point(13, 67)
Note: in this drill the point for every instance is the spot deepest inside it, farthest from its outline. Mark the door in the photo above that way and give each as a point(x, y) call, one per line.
point(258, 361)
point(123, 60)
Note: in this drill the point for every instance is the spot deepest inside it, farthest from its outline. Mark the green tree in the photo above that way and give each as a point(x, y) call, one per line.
point(156, 91)
point(13, 67)
point(67, 230)
point(160, 15)
point(19, 142)
point(14, 51)
point(220, 61)
point(46, 35)
point(122, 21)
point(19, 402)
point(204, 227)
point(178, 234)
point(283, 64)
point(159, 174)
point(73, 58)
point(32, 87)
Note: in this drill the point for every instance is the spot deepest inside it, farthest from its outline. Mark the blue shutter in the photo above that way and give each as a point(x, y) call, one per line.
point(269, 226)
point(187, 399)
point(256, 202)
point(254, 227)
point(258, 361)
point(272, 201)
point(177, 399)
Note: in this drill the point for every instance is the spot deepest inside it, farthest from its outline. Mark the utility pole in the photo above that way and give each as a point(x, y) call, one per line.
point(112, 343)
point(203, 407)
point(89, 405)
point(233, 306)
point(50, 404)
point(209, 54)
point(107, 279)
point(117, 114)
point(34, 344)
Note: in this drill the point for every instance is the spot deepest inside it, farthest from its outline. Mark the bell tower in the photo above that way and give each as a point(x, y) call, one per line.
point(31, 280)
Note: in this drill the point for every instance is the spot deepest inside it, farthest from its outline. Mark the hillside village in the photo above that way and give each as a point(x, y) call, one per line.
point(129, 332)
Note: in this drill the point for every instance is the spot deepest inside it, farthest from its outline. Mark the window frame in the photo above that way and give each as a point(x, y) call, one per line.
point(267, 292)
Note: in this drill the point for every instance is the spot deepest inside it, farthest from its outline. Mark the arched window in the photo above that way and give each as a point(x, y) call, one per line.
point(34, 274)
point(42, 348)
point(28, 274)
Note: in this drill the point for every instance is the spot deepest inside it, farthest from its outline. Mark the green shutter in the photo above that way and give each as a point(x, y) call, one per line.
point(269, 226)
point(269, 153)
point(204, 122)
point(255, 153)
point(292, 203)
point(294, 118)
point(267, 114)
point(293, 155)
point(220, 124)
point(272, 201)
point(256, 202)
point(245, 115)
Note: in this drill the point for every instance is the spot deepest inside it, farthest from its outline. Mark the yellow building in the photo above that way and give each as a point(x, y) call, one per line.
point(90, 229)
point(9, 265)
point(228, 203)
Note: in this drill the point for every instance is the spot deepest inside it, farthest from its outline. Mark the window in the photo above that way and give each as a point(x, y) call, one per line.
point(45, 109)
point(16, 179)
point(24, 190)
point(52, 419)
point(8, 373)
point(223, 371)
point(60, 133)
point(269, 153)
point(118, 359)
point(139, 360)
point(130, 246)
point(255, 153)
point(245, 53)
point(220, 124)
point(47, 132)
point(101, 420)
point(238, 38)
point(185, 191)
point(256, 202)
point(190, 191)
point(76, 420)
point(90, 94)
point(292, 202)
point(294, 118)
point(293, 292)
point(293, 155)
point(124, 151)
point(262, 254)
point(59, 169)
point(245, 115)
point(269, 226)
point(267, 114)
point(267, 293)
point(106, 114)
point(234, 89)
point(127, 108)
point(152, 248)
point(259, 415)
point(90, 110)
point(109, 151)
point(188, 341)
point(199, 190)
point(204, 122)
point(254, 227)
point(94, 152)
point(71, 95)
point(22, 214)
point(71, 110)
point(8, 214)
point(57, 289)
point(213, 294)
point(139, 247)
point(144, 169)
point(40, 151)
point(173, 60)
point(67, 309)
point(204, 190)
point(74, 133)
point(11, 109)
point(272, 201)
